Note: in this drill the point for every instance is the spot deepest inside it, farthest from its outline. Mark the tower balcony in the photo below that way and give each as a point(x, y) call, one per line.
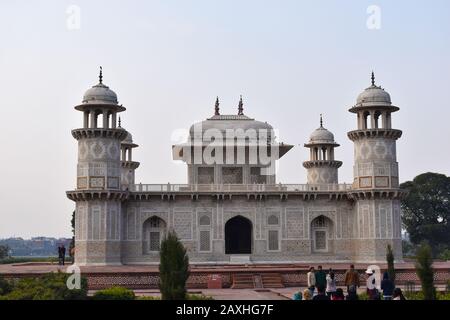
point(83, 133)
point(374, 133)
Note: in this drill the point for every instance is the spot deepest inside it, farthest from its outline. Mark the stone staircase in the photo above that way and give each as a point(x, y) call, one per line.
point(256, 281)
point(242, 281)
point(272, 280)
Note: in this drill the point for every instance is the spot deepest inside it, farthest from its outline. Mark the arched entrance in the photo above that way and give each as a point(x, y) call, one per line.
point(153, 232)
point(238, 236)
point(321, 234)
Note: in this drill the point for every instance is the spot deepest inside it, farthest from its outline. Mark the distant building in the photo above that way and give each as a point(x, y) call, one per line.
point(232, 210)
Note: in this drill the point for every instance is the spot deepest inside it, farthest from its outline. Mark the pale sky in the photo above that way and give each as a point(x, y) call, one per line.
point(168, 60)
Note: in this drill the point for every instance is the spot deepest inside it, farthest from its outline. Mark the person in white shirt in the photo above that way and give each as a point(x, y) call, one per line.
point(311, 277)
point(331, 283)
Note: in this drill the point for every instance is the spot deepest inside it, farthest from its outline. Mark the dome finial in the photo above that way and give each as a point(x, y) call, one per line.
point(120, 123)
point(373, 78)
point(100, 76)
point(321, 121)
point(216, 108)
point(241, 107)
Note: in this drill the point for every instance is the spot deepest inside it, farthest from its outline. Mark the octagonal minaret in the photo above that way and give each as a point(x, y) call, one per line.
point(128, 165)
point(98, 194)
point(376, 183)
point(322, 168)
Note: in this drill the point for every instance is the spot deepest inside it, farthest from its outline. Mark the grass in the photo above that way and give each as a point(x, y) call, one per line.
point(32, 259)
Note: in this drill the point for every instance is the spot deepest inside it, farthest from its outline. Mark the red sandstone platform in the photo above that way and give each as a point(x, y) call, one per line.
point(147, 276)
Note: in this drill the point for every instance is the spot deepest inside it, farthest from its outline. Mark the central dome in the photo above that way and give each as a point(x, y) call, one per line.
point(229, 123)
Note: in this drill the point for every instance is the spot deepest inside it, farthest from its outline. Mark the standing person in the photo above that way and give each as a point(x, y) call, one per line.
point(63, 254)
point(351, 279)
point(398, 294)
point(59, 255)
point(371, 288)
point(387, 285)
point(321, 280)
point(311, 278)
point(321, 294)
point(331, 283)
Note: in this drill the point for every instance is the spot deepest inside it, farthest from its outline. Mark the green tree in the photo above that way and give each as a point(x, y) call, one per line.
point(425, 271)
point(426, 210)
point(4, 252)
point(173, 268)
point(5, 286)
point(390, 263)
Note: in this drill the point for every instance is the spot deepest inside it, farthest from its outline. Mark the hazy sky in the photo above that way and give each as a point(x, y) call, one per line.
point(168, 60)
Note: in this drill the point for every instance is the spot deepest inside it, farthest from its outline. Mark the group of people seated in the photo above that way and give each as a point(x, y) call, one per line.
point(322, 286)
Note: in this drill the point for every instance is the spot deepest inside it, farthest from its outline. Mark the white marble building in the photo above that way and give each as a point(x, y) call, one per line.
point(232, 210)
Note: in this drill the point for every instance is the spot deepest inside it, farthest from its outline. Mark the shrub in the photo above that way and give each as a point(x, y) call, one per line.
point(173, 268)
point(198, 297)
point(363, 296)
point(390, 263)
point(418, 295)
point(148, 298)
point(5, 286)
point(425, 271)
point(51, 286)
point(114, 293)
point(443, 296)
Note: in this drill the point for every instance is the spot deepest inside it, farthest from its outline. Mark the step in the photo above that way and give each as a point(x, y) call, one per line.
point(272, 280)
point(243, 281)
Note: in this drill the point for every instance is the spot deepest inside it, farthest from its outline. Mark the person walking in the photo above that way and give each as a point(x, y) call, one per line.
point(321, 280)
point(311, 278)
point(387, 285)
point(351, 279)
point(331, 283)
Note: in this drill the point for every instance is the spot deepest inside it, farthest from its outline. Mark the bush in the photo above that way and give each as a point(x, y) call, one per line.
point(363, 296)
point(148, 298)
point(114, 293)
point(418, 295)
point(198, 297)
point(390, 263)
point(5, 286)
point(51, 286)
point(425, 271)
point(173, 268)
point(443, 296)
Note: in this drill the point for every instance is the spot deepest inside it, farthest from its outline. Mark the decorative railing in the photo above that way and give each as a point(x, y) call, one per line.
point(238, 187)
